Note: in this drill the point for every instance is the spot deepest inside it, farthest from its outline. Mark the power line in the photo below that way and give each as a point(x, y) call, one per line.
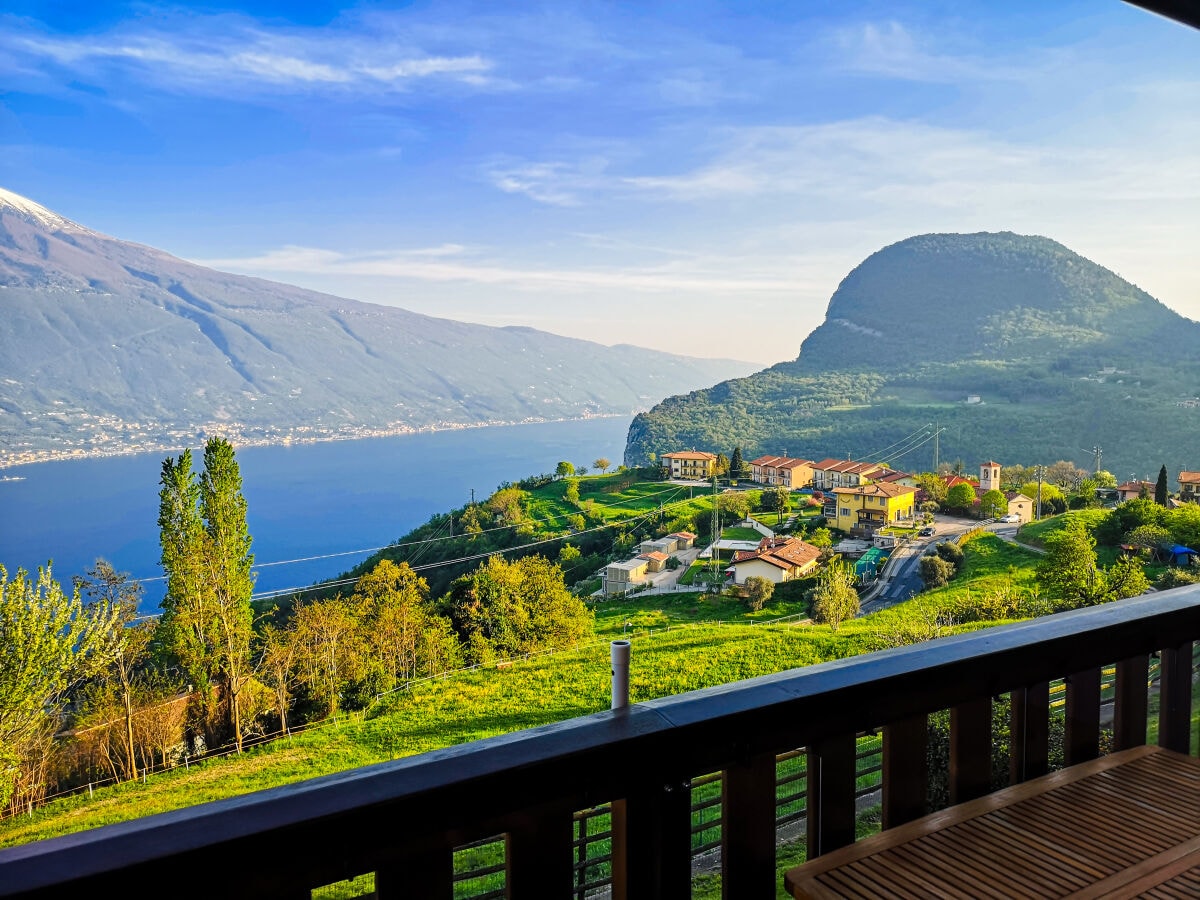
point(433, 540)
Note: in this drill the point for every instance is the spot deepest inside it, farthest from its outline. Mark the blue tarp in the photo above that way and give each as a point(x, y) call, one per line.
point(1181, 555)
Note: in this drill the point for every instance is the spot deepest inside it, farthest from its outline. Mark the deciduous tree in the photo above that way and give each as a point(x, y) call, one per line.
point(564, 469)
point(758, 592)
point(103, 585)
point(602, 463)
point(993, 504)
point(960, 497)
point(51, 641)
point(835, 598)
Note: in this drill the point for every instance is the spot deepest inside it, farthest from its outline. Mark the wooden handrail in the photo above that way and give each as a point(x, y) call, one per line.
point(402, 819)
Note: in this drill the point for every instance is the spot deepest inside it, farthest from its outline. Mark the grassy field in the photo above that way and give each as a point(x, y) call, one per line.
point(475, 704)
point(740, 533)
point(619, 617)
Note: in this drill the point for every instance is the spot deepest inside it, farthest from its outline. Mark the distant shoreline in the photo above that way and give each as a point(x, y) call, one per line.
point(238, 439)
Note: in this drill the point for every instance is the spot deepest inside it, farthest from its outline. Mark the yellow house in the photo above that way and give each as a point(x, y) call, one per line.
point(694, 465)
point(867, 507)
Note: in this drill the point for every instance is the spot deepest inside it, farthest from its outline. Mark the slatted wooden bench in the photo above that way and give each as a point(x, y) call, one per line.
point(1123, 825)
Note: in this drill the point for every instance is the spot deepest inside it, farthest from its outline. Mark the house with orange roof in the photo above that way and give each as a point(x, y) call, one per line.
point(867, 507)
point(781, 470)
point(1131, 490)
point(1189, 487)
point(777, 559)
point(693, 465)
point(834, 473)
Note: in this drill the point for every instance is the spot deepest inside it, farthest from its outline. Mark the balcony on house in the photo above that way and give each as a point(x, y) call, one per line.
point(760, 750)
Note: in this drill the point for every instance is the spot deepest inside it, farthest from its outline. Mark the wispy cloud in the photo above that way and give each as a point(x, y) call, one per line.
point(897, 51)
point(215, 52)
point(452, 263)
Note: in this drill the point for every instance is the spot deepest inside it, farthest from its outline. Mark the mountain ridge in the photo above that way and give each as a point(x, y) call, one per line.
point(116, 345)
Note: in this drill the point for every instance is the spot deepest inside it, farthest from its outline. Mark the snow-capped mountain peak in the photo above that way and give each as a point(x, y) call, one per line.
point(35, 212)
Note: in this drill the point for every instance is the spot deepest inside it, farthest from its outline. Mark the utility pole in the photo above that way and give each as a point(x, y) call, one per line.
point(1098, 453)
point(936, 432)
point(716, 530)
point(472, 496)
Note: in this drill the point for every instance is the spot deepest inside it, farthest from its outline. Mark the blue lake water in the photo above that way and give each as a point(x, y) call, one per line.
point(304, 500)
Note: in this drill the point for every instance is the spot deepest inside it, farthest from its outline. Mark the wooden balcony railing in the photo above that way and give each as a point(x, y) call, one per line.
point(403, 820)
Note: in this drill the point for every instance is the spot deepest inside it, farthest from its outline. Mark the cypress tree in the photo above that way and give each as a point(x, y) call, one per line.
point(1160, 487)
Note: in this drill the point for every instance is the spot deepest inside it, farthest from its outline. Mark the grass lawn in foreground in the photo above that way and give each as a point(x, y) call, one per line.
point(660, 610)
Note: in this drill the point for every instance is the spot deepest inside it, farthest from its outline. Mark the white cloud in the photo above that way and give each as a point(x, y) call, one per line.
point(214, 53)
point(430, 264)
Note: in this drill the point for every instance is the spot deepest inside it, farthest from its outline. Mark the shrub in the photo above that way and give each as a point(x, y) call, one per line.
point(673, 563)
point(950, 552)
point(935, 571)
point(758, 592)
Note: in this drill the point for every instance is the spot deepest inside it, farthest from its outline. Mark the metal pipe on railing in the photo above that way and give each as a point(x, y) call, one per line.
point(619, 651)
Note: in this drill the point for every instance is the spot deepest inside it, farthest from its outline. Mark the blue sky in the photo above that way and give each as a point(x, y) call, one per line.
point(695, 177)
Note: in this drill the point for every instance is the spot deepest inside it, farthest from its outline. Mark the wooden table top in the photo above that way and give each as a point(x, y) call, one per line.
point(1124, 825)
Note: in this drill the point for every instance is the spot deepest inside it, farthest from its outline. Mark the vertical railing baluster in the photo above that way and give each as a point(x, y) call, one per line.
point(748, 828)
point(1175, 698)
point(651, 843)
point(1081, 740)
point(426, 874)
point(905, 770)
point(970, 750)
point(1129, 702)
point(831, 775)
point(1029, 730)
point(537, 853)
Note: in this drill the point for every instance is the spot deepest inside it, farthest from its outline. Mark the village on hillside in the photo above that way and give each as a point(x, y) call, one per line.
point(861, 512)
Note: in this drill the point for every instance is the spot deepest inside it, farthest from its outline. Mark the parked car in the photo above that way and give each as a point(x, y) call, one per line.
point(1011, 517)
point(927, 531)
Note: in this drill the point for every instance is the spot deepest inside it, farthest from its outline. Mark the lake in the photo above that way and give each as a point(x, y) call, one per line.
point(304, 500)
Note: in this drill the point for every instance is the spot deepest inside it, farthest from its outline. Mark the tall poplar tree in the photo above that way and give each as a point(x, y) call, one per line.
point(1160, 487)
point(207, 620)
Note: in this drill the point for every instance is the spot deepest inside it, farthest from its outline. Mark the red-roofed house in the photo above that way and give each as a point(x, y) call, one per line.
point(694, 465)
point(1131, 490)
point(777, 559)
point(862, 509)
point(834, 473)
point(1189, 487)
point(781, 470)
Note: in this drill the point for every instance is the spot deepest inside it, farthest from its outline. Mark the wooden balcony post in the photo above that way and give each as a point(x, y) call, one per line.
point(538, 854)
point(428, 874)
point(905, 770)
point(1175, 698)
point(1081, 741)
point(1129, 713)
point(652, 843)
point(1029, 729)
point(970, 750)
point(748, 828)
point(831, 766)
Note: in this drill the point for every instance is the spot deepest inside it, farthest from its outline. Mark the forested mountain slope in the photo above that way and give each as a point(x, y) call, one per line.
point(1063, 354)
point(113, 345)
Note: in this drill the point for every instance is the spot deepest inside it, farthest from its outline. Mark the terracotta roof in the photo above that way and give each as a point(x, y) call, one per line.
point(989, 463)
point(892, 476)
point(784, 553)
point(877, 490)
point(682, 534)
point(689, 454)
point(952, 480)
point(1013, 495)
point(1135, 486)
point(780, 462)
point(848, 467)
point(1189, 477)
point(653, 555)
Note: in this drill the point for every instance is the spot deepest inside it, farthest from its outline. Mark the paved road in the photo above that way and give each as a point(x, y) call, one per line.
point(903, 581)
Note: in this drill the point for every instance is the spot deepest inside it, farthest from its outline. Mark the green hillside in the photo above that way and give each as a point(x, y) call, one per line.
point(1062, 353)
